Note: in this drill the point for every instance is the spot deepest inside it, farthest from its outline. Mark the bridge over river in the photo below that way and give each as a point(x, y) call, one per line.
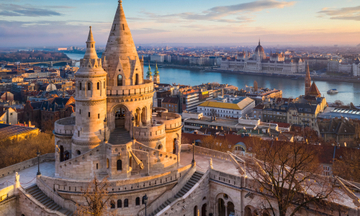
point(71, 62)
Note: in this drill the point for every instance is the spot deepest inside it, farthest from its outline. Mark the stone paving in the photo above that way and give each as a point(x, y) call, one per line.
point(202, 163)
point(119, 136)
point(27, 176)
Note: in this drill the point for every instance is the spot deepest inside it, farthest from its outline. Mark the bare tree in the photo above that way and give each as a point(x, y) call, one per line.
point(96, 199)
point(348, 166)
point(288, 175)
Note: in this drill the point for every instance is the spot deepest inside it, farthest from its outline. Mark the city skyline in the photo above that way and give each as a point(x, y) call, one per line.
point(275, 22)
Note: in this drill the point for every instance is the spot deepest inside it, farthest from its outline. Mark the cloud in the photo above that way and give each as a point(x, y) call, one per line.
point(26, 10)
point(226, 14)
point(346, 13)
point(148, 31)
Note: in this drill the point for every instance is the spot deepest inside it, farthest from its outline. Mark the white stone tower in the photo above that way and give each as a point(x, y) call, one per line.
point(90, 101)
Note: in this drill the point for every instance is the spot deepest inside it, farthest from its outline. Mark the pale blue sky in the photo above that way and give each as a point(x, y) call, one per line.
point(242, 22)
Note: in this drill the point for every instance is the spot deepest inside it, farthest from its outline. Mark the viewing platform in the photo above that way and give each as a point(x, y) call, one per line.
point(65, 126)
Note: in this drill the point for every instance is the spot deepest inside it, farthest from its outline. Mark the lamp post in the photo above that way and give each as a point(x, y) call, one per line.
point(38, 156)
point(145, 202)
point(193, 160)
point(133, 125)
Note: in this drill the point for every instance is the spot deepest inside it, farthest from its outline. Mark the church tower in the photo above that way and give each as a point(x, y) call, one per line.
point(307, 80)
point(90, 101)
point(149, 74)
point(157, 75)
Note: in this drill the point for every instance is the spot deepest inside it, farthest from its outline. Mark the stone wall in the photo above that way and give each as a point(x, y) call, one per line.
point(194, 202)
point(8, 207)
point(25, 164)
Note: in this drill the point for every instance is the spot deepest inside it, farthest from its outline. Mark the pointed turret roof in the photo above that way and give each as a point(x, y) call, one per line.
point(90, 47)
point(314, 91)
point(120, 48)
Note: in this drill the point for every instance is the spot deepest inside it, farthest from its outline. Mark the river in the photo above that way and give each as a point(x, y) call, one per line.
point(348, 92)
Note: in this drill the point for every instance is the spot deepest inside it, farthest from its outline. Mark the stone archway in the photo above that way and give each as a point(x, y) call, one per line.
point(122, 116)
point(221, 207)
point(144, 116)
point(230, 209)
point(203, 210)
point(62, 153)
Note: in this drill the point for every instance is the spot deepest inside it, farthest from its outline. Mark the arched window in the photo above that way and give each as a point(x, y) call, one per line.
point(126, 203)
point(130, 161)
point(80, 86)
point(89, 86)
point(195, 211)
point(137, 79)
point(112, 204)
point(119, 203)
point(137, 201)
point(107, 163)
point(62, 153)
point(120, 80)
point(119, 165)
point(98, 86)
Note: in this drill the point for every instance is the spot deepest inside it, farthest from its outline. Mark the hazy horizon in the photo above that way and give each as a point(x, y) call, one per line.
point(37, 23)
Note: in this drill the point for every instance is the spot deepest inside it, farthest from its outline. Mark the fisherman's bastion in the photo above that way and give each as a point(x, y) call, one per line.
point(118, 134)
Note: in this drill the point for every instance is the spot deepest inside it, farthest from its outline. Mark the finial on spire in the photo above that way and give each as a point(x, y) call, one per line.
point(120, 1)
point(259, 41)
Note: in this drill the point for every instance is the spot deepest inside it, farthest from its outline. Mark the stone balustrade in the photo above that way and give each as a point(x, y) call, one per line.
point(64, 203)
point(117, 185)
point(206, 151)
point(171, 120)
point(155, 131)
point(157, 155)
point(65, 126)
point(26, 164)
point(147, 87)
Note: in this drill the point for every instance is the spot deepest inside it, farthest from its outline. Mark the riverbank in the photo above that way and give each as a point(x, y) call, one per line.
point(286, 76)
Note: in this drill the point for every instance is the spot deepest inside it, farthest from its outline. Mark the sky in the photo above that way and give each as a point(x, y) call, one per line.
point(238, 22)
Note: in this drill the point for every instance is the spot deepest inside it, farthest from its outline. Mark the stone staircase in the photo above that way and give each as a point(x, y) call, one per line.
point(192, 181)
point(37, 194)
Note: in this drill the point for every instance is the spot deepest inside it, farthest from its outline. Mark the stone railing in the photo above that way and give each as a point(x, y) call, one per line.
point(65, 126)
point(150, 132)
point(206, 151)
point(7, 192)
point(180, 199)
point(190, 170)
point(64, 203)
point(116, 185)
point(147, 87)
point(171, 120)
point(26, 164)
point(155, 154)
point(29, 200)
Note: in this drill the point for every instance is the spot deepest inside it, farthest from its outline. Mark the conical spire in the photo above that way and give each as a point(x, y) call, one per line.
point(120, 49)
point(90, 47)
point(259, 41)
point(308, 71)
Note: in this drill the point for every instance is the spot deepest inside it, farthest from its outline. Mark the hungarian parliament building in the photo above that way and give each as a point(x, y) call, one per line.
point(260, 63)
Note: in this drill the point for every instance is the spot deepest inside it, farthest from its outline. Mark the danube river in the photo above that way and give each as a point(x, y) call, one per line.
point(348, 92)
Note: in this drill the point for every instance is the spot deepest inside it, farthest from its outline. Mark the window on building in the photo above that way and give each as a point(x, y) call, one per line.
point(89, 114)
point(126, 203)
point(98, 86)
point(137, 201)
point(89, 86)
point(99, 116)
point(107, 163)
point(120, 80)
point(119, 165)
point(119, 203)
point(80, 86)
point(112, 204)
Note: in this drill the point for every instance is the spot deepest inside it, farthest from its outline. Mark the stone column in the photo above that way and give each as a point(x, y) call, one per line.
point(225, 204)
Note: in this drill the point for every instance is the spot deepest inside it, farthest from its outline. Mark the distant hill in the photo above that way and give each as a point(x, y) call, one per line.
point(32, 56)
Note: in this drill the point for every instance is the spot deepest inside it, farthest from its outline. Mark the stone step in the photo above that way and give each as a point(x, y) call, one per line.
point(37, 194)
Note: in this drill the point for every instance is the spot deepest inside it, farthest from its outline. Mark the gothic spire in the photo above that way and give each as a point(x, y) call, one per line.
point(90, 47)
point(156, 70)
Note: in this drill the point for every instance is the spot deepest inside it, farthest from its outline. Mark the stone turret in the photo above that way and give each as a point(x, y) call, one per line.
point(157, 75)
point(90, 101)
point(120, 55)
